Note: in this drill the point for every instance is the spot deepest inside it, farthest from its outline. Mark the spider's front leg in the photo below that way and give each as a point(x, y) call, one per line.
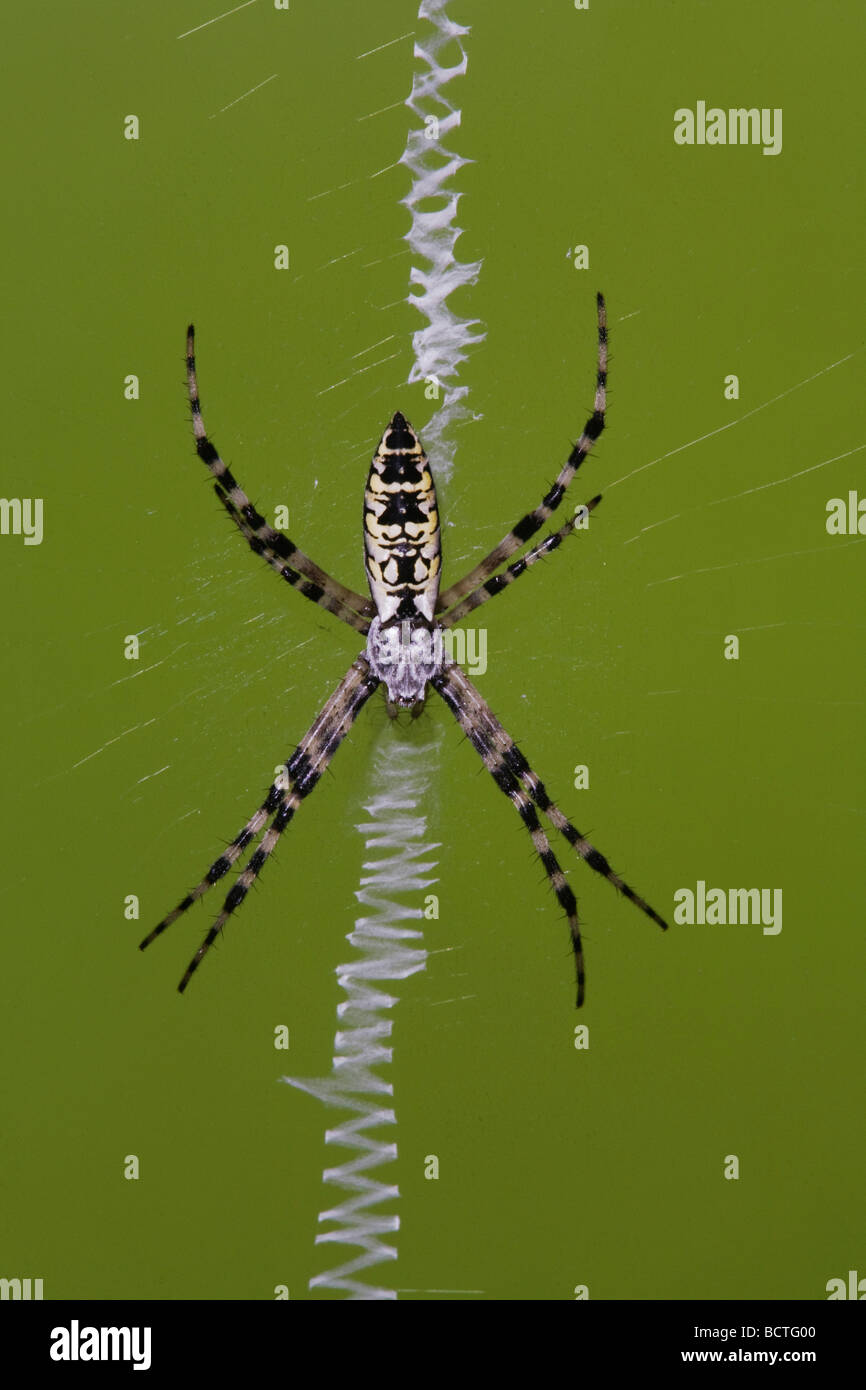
point(528, 525)
point(323, 596)
point(499, 582)
point(273, 546)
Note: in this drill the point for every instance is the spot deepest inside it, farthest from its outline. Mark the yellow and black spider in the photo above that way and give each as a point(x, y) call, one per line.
point(404, 621)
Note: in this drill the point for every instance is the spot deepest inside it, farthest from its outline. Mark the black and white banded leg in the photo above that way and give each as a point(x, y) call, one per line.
point(497, 582)
point(527, 527)
point(272, 545)
point(507, 782)
point(307, 587)
point(509, 769)
point(303, 771)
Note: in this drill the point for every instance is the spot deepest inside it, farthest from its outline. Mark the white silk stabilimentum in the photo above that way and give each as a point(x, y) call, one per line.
point(390, 949)
point(363, 1039)
point(440, 346)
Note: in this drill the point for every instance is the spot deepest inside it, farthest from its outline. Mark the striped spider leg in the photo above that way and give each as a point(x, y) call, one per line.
point(325, 597)
point(528, 525)
point(303, 770)
point(316, 749)
point(495, 585)
point(275, 547)
point(506, 764)
point(513, 775)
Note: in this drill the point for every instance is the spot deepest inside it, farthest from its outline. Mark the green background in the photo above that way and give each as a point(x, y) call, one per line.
point(558, 1167)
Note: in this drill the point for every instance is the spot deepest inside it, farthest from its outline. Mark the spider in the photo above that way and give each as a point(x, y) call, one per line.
point(403, 620)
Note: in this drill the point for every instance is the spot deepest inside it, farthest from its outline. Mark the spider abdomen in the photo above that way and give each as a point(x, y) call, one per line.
point(402, 546)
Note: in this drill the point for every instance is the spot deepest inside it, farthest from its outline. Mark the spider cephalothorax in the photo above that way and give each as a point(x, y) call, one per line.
point(404, 620)
point(405, 654)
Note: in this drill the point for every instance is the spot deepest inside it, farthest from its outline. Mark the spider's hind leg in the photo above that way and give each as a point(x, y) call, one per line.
point(480, 737)
point(478, 710)
point(510, 770)
point(302, 773)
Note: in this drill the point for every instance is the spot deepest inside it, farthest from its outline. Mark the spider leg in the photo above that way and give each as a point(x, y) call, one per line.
point(307, 587)
point(498, 582)
point(303, 768)
point(267, 539)
point(518, 764)
point(480, 737)
point(534, 520)
point(504, 760)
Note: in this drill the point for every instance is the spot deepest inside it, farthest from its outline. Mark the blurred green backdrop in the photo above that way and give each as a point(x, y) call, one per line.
point(558, 1167)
